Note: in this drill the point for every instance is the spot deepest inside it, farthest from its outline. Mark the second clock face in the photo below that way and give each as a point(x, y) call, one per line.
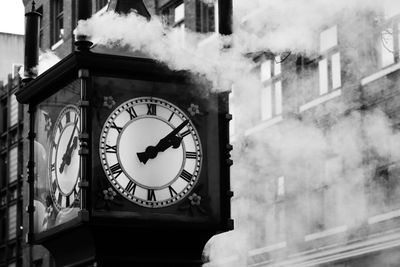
point(64, 163)
point(150, 152)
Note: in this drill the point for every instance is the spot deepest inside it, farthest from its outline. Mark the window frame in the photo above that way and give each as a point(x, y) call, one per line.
point(329, 62)
point(58, 32)
point(271, 80)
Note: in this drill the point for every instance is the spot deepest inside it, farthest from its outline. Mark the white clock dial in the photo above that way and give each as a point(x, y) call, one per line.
point(150, 152)
point(64, 162)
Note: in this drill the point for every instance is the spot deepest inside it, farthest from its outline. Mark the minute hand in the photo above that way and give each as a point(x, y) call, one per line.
point(168, 140)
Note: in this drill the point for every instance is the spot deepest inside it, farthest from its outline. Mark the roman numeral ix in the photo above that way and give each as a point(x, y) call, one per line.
point(114, 126)
point(111, 149)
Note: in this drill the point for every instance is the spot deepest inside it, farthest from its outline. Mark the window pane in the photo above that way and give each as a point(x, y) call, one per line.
point(336, 72)
point(265, 70)
point(323, 76)
point(328, 39)
point(387, 48)
point(278, 97)
point(277, 65)
point(13, 166)
point(179, 13)
point(12, 222)
point(266, 103)
point(14, 110)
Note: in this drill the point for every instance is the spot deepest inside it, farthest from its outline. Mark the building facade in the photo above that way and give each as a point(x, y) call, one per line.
point(327, 191)
point(11, 54)
point(11, 178)
point(315, 148)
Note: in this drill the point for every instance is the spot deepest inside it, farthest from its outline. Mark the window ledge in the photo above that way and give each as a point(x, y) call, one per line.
point(263, 125)
point(54, 46)
point(326, 233)
point(380, 74)
point(321, 99)
point(267, 248)
point(384, 217)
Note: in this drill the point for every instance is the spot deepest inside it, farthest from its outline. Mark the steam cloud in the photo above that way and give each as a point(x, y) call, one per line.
point(295, 150)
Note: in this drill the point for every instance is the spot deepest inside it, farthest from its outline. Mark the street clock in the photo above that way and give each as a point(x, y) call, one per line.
point(123, 148)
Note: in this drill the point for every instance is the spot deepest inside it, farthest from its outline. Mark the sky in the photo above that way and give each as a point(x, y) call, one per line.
point(12, 16)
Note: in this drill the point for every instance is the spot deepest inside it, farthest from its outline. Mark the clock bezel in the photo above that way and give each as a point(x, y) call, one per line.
point(173, 200)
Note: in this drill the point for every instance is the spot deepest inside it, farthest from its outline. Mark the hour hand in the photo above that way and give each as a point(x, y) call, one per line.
point(171, 140)
point(152, 151)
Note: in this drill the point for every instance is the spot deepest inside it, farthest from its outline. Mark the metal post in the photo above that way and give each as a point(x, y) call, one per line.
point(31, 59)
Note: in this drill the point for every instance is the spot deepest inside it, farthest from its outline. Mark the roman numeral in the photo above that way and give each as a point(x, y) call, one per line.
point(151, 109)
point(130, 187)
point(114, 126)
point(132, 112)
point(191, 155)
point(67, 201)
point(111, 149)
point(172, 191)
point(151, 196)
point(59, 199)
point(54, 185)
point(53, 167)
point(170, 117)
point(186, 175)
point(116, 170)
point(185, 133)
point(60, 127)
point(68, 117)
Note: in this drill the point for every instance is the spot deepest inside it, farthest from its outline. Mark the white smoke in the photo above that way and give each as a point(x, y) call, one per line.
point(298, 148)
point(47, 59)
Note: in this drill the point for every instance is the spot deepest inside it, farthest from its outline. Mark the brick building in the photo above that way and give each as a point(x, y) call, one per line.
point(314, 203)
point(11, 179)
point(299, 216)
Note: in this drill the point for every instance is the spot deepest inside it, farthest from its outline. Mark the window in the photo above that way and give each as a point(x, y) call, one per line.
point(271, 93)
point(13, 110)
point(179, 14)
point(3, 170)
point(205, 17)
point(329, 65)
point(16, 69)
point(58, 21)
point(389, 40)
point(174, 15)
point(4, 116)
point(385, 188)
point(13, 166)
point(12, 221)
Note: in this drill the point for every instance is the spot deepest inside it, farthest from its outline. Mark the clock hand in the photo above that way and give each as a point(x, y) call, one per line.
point(169, 140)
point(68, 151)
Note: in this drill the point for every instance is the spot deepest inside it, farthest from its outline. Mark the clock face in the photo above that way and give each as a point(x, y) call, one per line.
point(150, 152)
point(64, 162)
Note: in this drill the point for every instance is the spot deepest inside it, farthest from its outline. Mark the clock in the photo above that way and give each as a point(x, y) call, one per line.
point(64, 161)
point(150, 152)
